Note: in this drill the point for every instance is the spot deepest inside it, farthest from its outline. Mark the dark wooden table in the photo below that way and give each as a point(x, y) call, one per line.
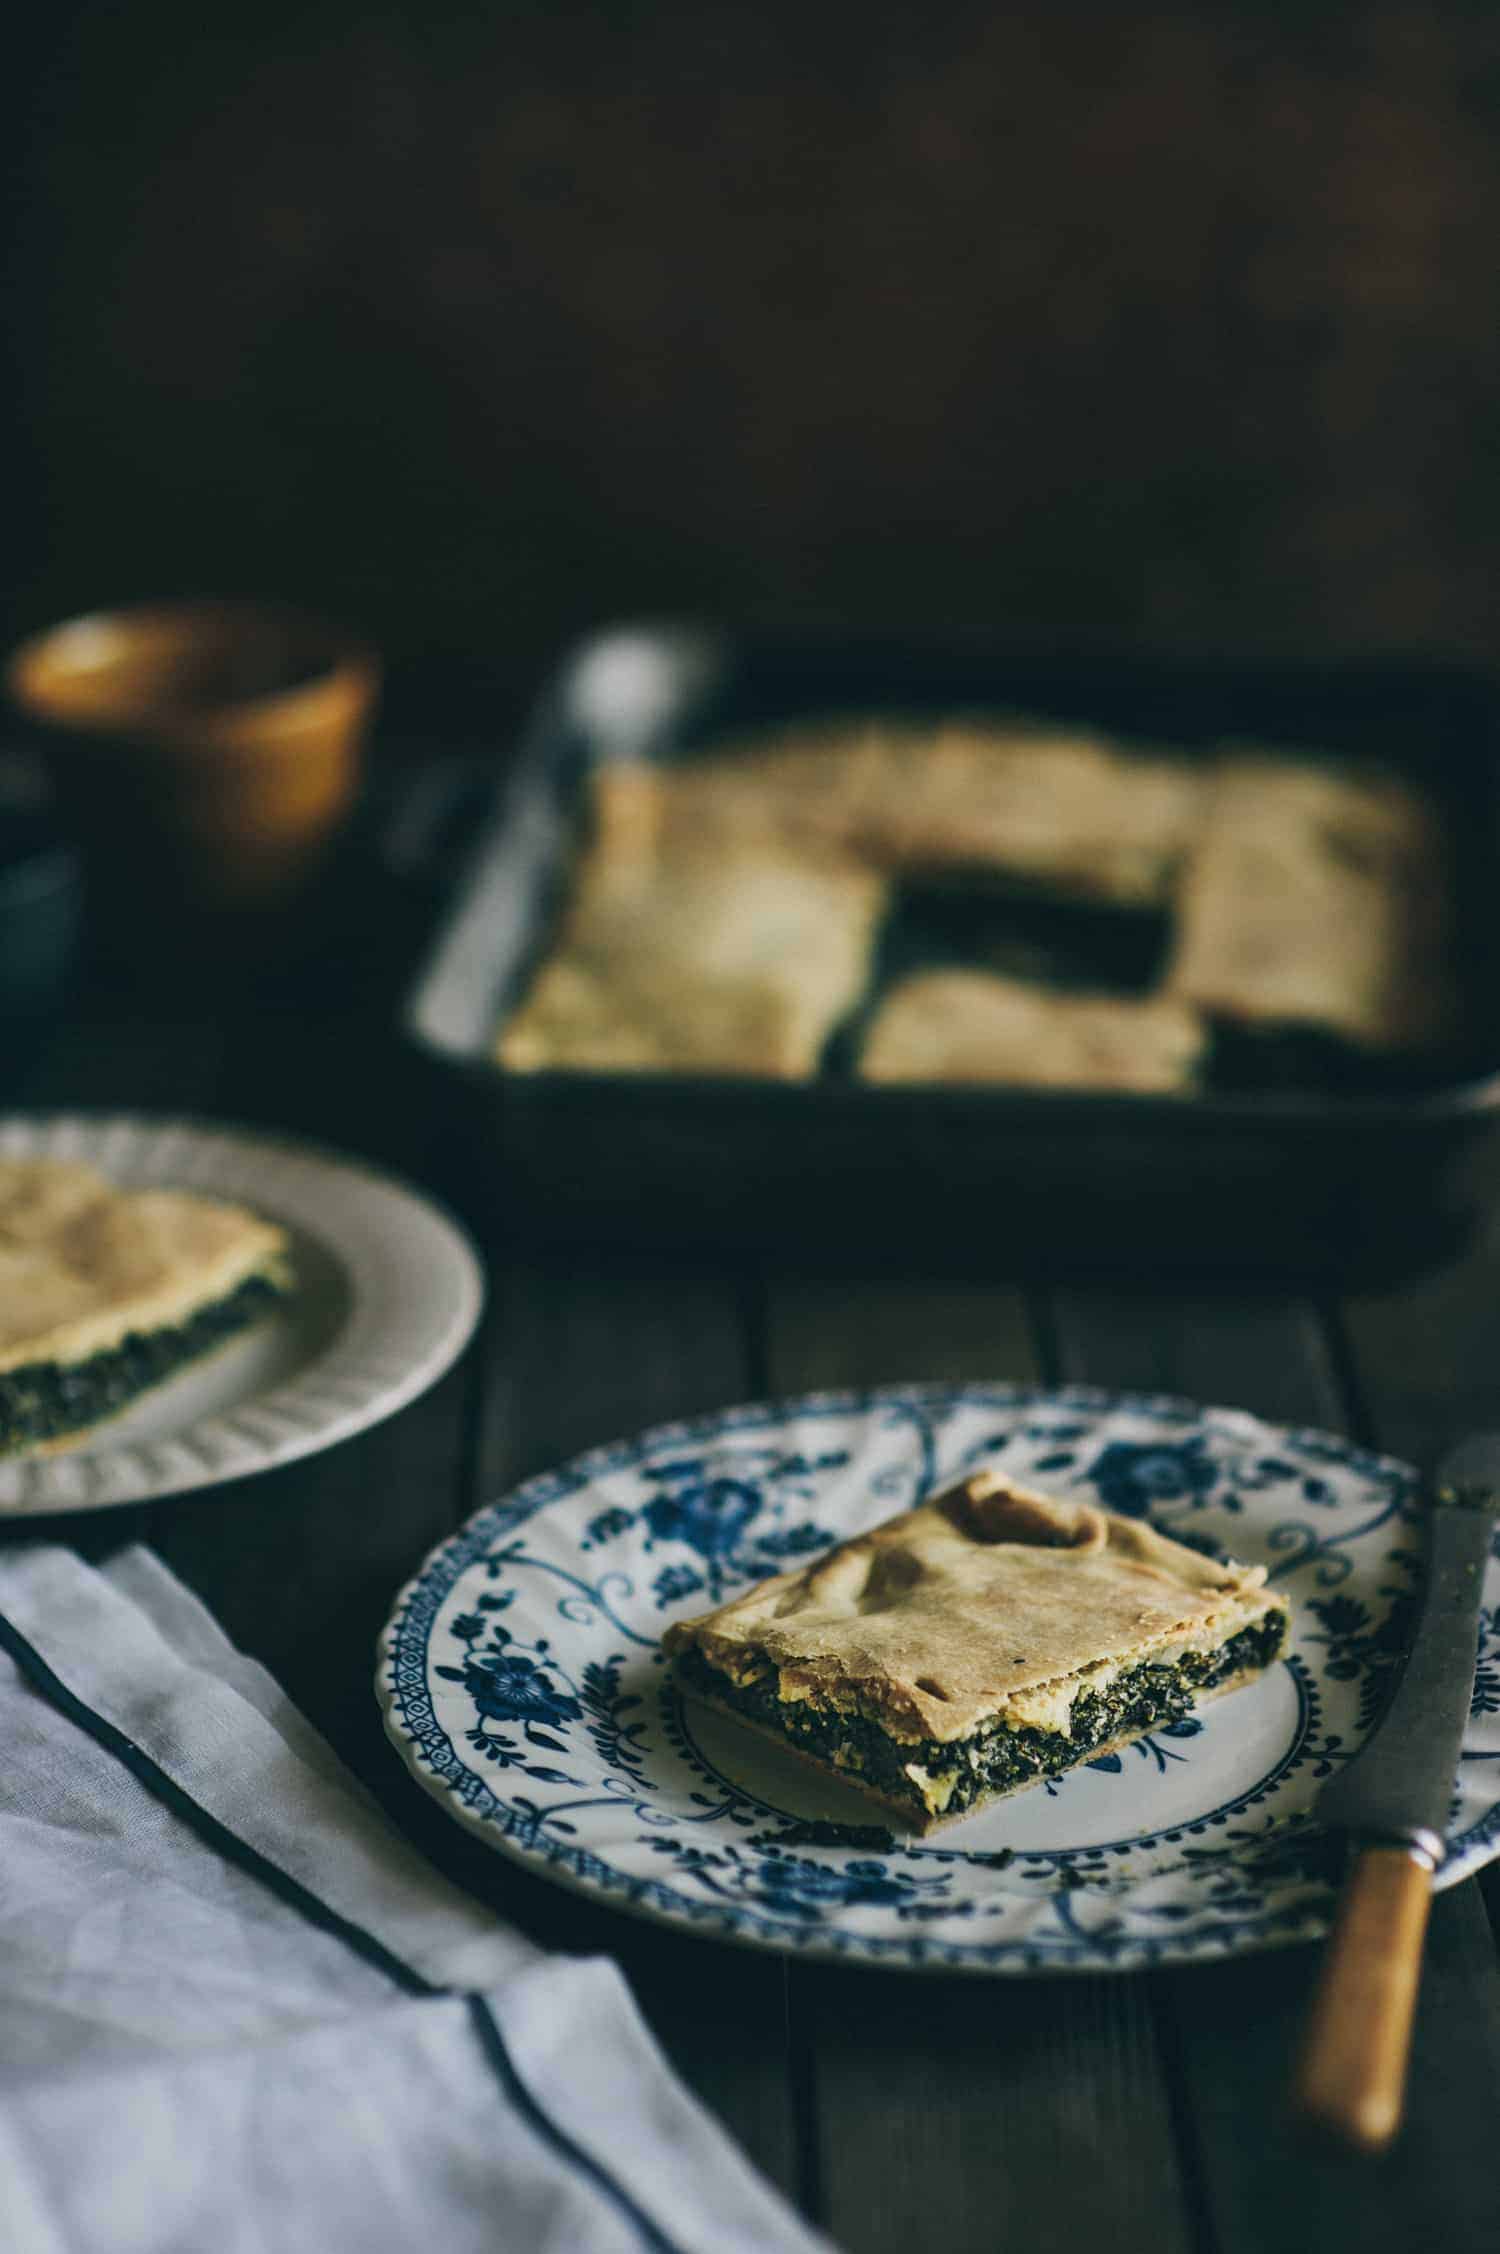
point(903, 2112)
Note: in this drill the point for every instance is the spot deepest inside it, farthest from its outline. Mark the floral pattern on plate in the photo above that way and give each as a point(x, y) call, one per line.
point(522, 1679)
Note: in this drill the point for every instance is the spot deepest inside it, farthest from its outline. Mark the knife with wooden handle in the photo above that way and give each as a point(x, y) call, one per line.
point(1391, 1804)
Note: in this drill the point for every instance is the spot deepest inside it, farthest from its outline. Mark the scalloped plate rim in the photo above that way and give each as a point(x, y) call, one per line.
point(146, 1468)
point(1477, 1844)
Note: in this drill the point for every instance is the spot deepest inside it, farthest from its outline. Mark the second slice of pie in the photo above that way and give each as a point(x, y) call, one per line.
point(979, 1643)
point(106, 1292)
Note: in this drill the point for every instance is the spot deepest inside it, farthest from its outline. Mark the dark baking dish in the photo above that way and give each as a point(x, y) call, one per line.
point(1297, 1158)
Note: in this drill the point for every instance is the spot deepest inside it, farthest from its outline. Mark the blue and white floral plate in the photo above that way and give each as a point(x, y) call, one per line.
point(521, 1677)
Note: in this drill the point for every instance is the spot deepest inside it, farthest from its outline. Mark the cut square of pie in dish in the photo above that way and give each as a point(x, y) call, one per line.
point(106, 1292)
point(691, 943)
point(1320, 897)
point(980, 1027)
point(987, 1639)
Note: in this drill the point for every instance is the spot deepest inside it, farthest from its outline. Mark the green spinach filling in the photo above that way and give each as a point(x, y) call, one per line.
point(43, 1400)
point(1150, 1695)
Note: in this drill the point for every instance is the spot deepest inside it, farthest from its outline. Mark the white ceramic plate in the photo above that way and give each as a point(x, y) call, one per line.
point(521, 1679)
point(388, 1291)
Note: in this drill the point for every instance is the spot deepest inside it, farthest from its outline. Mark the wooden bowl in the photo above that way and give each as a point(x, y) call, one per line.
point(205, 753)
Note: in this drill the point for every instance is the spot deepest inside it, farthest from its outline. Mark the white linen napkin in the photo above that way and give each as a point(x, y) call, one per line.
point(238, 2015)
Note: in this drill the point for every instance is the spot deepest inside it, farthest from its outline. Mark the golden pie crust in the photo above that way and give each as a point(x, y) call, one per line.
point(979, 1027)
point(978, 1604)
point(1017, 800)
point(1317, 897)
point(691, 944)
point(83, 1265)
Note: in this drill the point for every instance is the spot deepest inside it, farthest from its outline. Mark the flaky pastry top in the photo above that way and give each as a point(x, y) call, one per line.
point(83, 1264)
point(978, 1026)
point(932, 1620)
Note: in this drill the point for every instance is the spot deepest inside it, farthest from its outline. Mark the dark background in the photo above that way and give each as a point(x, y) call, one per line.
point(1172, 326)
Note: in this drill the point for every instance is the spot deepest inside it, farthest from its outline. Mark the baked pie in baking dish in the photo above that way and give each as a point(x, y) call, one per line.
point(988, 1639)
point(106, 1292)
point(730, 914)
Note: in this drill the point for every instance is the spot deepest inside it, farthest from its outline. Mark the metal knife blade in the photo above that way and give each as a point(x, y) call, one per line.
point(1399, 1785)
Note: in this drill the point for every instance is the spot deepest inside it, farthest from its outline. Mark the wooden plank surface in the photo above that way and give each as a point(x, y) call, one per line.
point(578, 1354)
point(906, 2111)
point(1231, 2030)
point(1426, 1357)
point(954, 2113)
point(1261, 1353)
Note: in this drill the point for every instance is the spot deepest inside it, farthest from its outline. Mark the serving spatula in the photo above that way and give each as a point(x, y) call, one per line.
point(1391, 1805)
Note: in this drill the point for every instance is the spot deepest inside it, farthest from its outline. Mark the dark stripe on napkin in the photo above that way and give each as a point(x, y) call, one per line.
point(227, 1843)
point(492, 2043)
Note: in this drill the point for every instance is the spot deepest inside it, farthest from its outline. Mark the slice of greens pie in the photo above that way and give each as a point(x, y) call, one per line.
point(106, 1292)
point(985, 1640)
